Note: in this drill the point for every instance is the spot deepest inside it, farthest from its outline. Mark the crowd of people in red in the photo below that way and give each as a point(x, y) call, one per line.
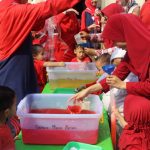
point(50, 33)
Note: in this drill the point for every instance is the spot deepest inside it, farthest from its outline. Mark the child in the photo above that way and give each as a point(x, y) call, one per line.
point(117, 55)
point(102, 60)
point(119, 94)
point(40, 64)
point(7, 109)
point(80, 55)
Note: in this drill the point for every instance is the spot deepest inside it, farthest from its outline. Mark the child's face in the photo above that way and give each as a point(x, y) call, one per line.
point(40, 55)
point(116, 61)
point(103, 21)
point(13, 108)
point(9, 112)
point(99, 66)
point(80, 53)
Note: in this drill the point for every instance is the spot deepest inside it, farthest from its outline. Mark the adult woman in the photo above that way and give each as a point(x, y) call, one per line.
point(16, 22)
point(112, 9)
point(120, 29)
point(88, 18)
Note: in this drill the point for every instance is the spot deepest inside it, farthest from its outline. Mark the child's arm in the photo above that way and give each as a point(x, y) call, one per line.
point(119, 117)
point(53, 64)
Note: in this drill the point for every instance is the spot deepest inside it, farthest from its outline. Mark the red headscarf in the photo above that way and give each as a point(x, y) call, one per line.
point(112, 9)
point(108, 11)
point(145, 14)
point(129, 28)
point(69, 26)
point(17, 20)
point(90, 8)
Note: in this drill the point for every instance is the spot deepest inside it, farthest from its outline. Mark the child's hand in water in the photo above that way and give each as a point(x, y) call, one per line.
point(79, 96)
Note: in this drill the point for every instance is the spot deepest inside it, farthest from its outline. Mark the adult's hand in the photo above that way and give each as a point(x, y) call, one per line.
point(84, 35)
point(115, 82)
point(90, 51)
point(93, 26)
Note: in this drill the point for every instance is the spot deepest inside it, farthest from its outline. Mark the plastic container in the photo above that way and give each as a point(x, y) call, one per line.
point(72, 75)
point(58, 128)
point(81, 146)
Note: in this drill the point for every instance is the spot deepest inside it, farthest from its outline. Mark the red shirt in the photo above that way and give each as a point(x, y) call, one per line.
point(40, 73)
point(6, 139)
point(86, 59)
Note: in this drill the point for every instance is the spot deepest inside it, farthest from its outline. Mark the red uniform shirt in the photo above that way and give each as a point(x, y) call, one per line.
point(40, 73)
point(6, 139)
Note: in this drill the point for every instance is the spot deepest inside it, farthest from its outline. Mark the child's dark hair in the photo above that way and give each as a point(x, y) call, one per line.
point(7, 96)
point(105, 58)
point(36, 48)
point(79, 46)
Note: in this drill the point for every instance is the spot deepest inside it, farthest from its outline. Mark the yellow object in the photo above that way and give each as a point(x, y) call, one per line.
point(68, 83)
point(102, 119)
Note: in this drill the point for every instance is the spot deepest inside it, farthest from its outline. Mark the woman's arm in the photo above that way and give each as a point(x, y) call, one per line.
point(43, 10)
point(139, 88)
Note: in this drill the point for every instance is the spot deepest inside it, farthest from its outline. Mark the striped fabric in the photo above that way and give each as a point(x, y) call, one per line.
point(14, 125)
